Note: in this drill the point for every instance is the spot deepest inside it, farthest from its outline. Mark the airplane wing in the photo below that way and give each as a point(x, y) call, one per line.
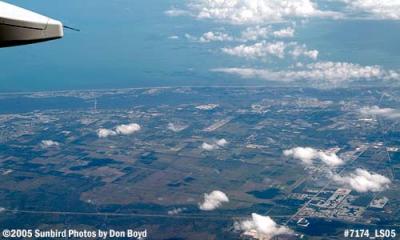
point(19, 26)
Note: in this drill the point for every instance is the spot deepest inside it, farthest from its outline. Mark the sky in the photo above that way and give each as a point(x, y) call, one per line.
point(132, 43)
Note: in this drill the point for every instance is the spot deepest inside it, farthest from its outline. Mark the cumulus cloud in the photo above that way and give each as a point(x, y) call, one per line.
point(127, 129)
point(176, 211)
point(327, 74)
point(222, 142)
point(330, 159)
point(380, 9)
point(213, 200)
point(123, 129)
point(104, 133)
point(266, 49)
point(382, 112)
point(262, 227)
point(214, 37)
point(209, 147)
point(49, 143)
point(249, 34)
point(307, 155)
point(302, 51)
point(255, 33)
point(256, 11)
point(266, 11)
point(256, 14)
point(284, 33)
point(363, 181)
point(215, 145)
point(207, 107)
point(258, 50)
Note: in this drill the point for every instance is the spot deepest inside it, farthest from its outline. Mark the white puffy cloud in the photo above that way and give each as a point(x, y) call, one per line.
point(127, 129)
point(49, 143)
point(266, 49)
point(382, 112)
point(215, 145)
point(327, 74)
point(258, 50)
point(104, 133)
point(249, 34)
point(255, 11)
point(176, 211)
point(301, 50)
point(267, 11)
point(380, 9)
point(330, 159)
point(209, 147)
point(363, 181)
point(255, 33)
point(213, 200)
point(249, 73)
point(123, 129)
point(284, 33)
point(261, 227)
point(307, 155)
point(207, 107)
point(214, 37)
point(221, 142)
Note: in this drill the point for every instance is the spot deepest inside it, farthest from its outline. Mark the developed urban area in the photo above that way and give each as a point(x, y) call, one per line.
point(203, 162)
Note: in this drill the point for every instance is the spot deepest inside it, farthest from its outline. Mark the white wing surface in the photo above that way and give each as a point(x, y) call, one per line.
point(19, 26)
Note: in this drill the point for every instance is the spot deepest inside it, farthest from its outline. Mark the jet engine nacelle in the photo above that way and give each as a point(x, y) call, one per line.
point(19, 26)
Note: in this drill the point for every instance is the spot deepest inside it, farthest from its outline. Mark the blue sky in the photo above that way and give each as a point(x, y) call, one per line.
point(131, 43)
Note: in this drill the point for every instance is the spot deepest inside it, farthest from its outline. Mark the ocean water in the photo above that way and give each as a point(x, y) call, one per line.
point(124, 43)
